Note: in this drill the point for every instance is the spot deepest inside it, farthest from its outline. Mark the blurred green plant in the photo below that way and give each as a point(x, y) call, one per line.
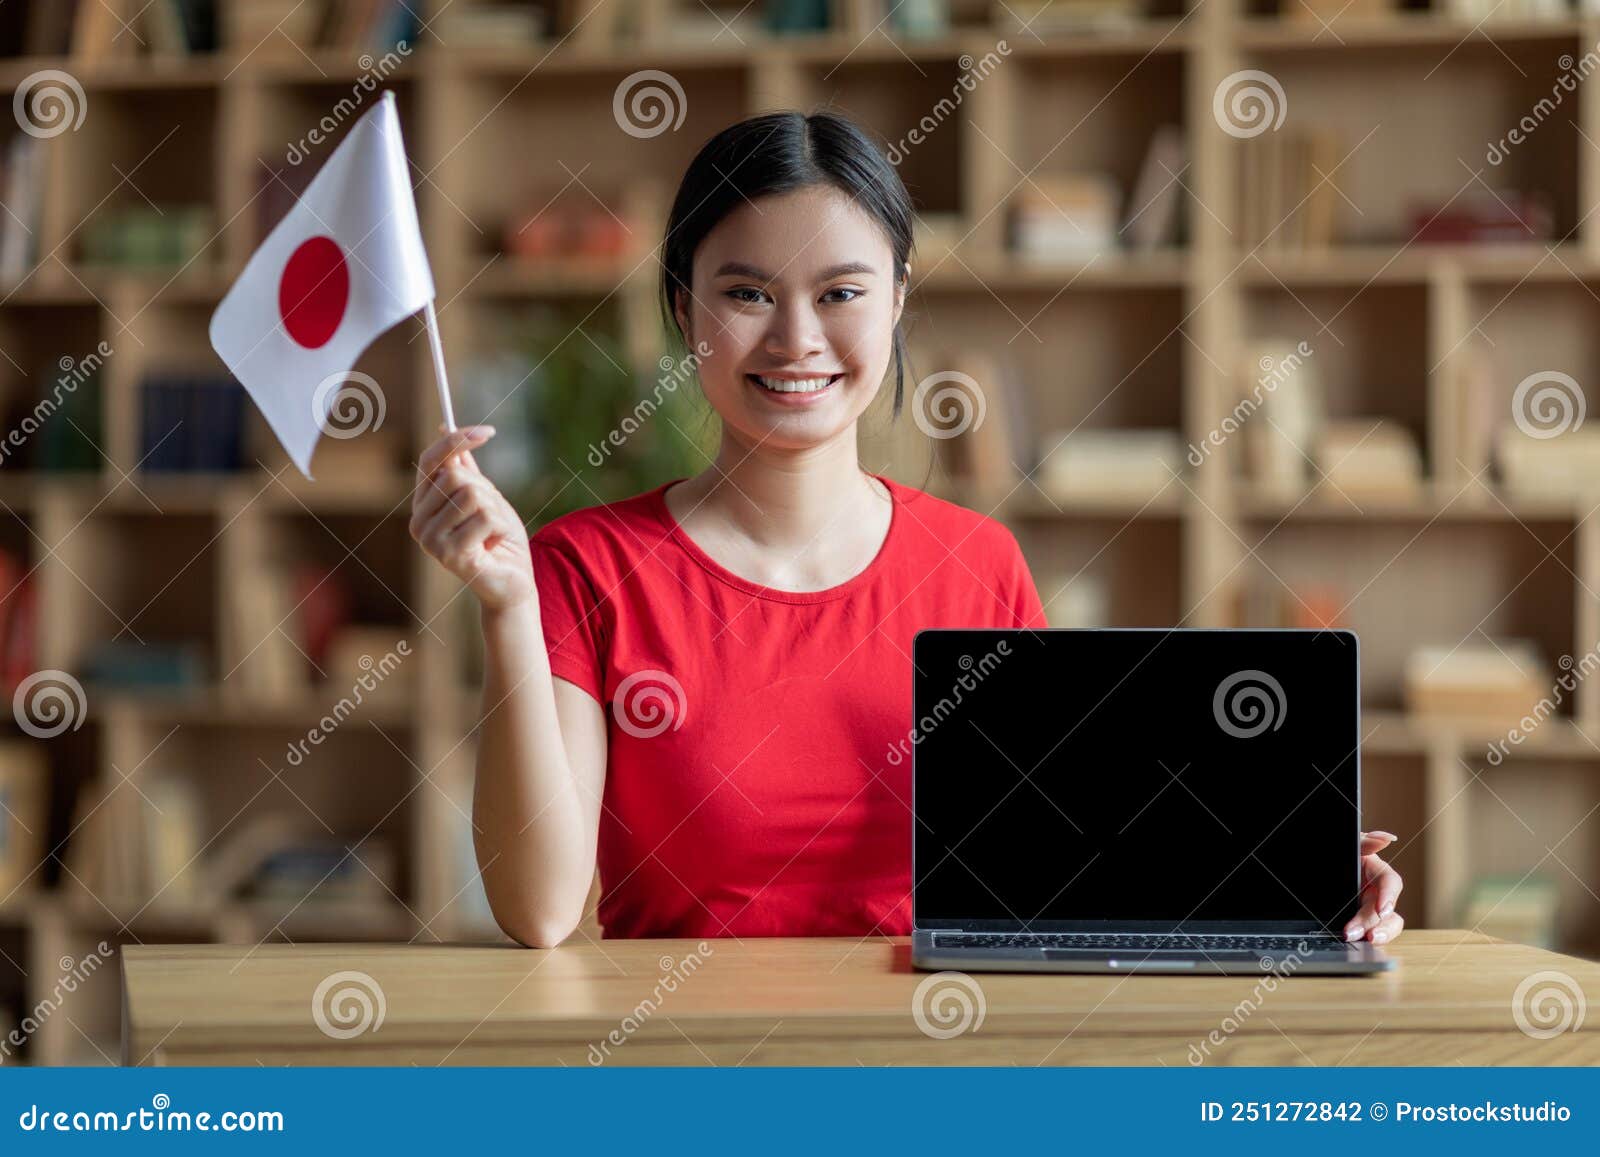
point(582, 391)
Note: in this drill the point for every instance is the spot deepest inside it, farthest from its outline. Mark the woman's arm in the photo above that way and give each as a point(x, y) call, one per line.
point(540, 774)
point(542, 744)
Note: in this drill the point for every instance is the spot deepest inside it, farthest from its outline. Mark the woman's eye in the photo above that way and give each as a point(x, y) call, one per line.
point(854, 293)
point(735, 294)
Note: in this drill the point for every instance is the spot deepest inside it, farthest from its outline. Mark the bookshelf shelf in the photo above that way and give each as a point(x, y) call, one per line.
point(1398, 29)
point(1126, 340)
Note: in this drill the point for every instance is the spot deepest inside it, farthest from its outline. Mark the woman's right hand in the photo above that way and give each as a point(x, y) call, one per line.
point(460, 519)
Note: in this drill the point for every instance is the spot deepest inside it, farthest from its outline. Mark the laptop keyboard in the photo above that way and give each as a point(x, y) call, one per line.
point(1134, 941)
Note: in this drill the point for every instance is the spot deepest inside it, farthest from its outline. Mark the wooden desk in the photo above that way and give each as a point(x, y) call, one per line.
point(832, 1002)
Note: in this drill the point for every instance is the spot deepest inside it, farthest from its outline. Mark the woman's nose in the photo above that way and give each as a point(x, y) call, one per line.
point(795, 332)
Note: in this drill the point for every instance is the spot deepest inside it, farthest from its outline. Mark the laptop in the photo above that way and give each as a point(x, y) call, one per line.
point(1137, 800)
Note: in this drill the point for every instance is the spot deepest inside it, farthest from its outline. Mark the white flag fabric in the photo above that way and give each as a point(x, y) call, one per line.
point(346, 264)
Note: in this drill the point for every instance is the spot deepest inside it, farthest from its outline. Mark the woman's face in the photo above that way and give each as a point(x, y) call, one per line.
point(793, 290)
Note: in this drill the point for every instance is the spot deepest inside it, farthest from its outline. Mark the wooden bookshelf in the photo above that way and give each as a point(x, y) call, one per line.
point(1139, 339)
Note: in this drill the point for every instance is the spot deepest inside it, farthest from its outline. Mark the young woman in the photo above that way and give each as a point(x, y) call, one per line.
point(697, 687)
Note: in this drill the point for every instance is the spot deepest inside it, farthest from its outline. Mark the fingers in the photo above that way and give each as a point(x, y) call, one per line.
point(1375, 841)
point(456, 442)
point(1379, 894)
point(1388, 928)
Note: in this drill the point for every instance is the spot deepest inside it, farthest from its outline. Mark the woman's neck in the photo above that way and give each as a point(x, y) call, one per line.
point(812, 513)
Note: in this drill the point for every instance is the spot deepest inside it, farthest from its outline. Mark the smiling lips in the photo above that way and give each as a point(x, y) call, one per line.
point(784, 385)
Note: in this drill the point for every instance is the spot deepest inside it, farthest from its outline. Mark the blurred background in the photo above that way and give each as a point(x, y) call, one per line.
point(1262, 312)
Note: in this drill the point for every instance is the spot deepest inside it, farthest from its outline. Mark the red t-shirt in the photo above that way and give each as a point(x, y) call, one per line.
point(749, 789)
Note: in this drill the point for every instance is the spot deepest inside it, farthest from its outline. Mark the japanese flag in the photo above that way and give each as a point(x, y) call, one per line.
point(346, 264)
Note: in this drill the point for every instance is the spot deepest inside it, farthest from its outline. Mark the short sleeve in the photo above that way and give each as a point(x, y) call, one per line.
point(569, 611)
point(1022, 592)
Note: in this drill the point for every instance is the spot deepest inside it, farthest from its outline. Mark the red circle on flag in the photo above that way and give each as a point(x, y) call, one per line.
point(313, 292)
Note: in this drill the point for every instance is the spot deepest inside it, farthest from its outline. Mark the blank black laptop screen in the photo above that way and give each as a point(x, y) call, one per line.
point(1168, 777)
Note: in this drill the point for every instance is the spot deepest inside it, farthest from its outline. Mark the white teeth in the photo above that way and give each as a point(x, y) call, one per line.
point(803, 386)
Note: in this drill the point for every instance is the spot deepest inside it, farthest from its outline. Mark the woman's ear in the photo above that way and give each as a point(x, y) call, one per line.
point(900, 293)
point(682, 315)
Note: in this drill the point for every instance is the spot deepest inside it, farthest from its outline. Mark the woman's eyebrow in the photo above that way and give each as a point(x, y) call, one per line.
point(740, 269)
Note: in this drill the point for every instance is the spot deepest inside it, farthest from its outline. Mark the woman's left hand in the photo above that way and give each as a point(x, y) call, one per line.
point(1380, 888)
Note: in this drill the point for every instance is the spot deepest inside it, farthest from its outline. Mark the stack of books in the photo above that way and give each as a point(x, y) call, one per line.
point(1065, 217)
point(1369, 458)
point(1564, 467)
point(100, 30)
point(1480, 216)
point(347, 26)
point(1115, 465)
point(1489, 686)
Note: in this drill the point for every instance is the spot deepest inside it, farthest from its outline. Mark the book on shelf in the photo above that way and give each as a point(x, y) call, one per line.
point(914, 18)
point(1151, 217)
point(326, 870)
point(1565, 467)
point(138, 237)
point(1327, 13)
point(1369, 458)
point(1128, 465)
point(172, 871)
point(1483, 216)
point(1280, 403)
point(575, 227)
point(491, 25)
point(1474, 406)
point(1044, 16)
point(70, 441)
point(1487, 685)
point(1491, 11)
point(1288, 198)
point(1065, 217)
point(153, 665)
point(19, 622)
point(23, 180)
point(103, 30)
point(191, 422)
point(1522, 908)
point(24, 813)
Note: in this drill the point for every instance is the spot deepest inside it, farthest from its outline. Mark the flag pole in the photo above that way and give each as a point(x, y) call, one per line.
point(438, 366)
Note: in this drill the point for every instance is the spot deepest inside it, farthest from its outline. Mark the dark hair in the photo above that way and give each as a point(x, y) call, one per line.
point(779, 153)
